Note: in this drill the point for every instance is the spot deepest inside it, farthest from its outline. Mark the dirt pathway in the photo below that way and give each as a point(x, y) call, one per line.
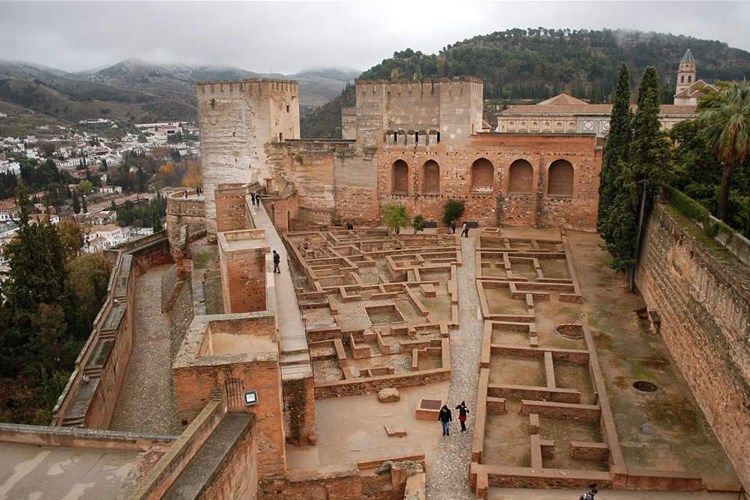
point(147, 401)
point(449, 479)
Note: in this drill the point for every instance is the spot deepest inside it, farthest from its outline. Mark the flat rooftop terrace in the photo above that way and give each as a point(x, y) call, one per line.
point(31, 471)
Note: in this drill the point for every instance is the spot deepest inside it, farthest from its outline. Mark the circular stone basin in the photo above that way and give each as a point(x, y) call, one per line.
point(570, 331)
point(644, 386)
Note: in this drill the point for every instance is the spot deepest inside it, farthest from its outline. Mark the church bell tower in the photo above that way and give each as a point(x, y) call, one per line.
point(686, 72)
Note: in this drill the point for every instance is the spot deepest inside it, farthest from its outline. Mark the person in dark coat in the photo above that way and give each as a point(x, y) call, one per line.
point(465, 230)
point(276, 262)
point(453, 227)
point(462, 411)
point(445, 418)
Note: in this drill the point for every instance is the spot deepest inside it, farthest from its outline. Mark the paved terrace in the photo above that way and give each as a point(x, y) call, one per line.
point(34, 472)
point(295, 356)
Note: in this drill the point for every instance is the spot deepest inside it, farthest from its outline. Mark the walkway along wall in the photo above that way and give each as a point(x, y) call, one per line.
point(91, 394)
point(702, 295)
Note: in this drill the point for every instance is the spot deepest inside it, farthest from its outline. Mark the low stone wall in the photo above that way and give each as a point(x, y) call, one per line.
point(169, 467)
point(374, 384)
point(702, 295)
point(79, 438)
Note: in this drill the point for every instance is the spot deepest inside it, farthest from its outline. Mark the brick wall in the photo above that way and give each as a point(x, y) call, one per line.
point(705, 322)
point(243, 275)
point(231, 212)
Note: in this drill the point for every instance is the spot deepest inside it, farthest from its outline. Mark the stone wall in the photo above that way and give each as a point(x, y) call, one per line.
point(704, 306)
point(236, 120)
point(231, 208)
point(243, 257)
point(201, 371)
point(494, 204)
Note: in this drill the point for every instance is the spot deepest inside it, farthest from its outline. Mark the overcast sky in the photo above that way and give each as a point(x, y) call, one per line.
point(286, 37)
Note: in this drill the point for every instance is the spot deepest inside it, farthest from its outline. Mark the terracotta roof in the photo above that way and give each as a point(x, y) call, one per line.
point(586, 110)
point(695, 89)
point(562, 99)
point(559, 109)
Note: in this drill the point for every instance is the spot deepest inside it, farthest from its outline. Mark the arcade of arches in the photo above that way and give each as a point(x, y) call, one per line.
point(561, 178)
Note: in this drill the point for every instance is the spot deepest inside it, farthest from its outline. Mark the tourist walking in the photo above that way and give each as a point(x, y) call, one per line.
point(589, 495)
point(465, 230)
point(462, 411)
point(276, 262)
point(445, 418)
point(453, 227)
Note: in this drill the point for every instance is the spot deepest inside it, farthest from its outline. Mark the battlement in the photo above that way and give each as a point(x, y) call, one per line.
point(439, 85)
point(252, 86)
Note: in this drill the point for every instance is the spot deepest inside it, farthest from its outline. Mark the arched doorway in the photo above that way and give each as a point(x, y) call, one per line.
point(560, 178)
point(400, 177)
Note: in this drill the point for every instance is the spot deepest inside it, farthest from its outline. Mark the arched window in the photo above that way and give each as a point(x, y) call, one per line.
point(690, 78)
point(400, 177)
point(431, 178)
point(560, 179)
point(482, 176)
point(682, 78)
point(521, 176)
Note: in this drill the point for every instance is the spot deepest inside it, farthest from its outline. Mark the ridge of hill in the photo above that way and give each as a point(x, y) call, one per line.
point(539, 63)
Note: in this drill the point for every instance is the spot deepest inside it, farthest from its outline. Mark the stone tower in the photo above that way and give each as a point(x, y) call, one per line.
point(237, 119)
point(686, 72)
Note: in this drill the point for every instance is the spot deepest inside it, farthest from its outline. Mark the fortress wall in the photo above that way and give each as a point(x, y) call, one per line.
point(236, 120)
point(486, 206)
point(333, 179)
point(460, 109)
point(704, 307)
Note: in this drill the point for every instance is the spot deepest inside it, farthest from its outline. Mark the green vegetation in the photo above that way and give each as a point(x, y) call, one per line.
point(539, 63)
point(50, 299)
point(418, 223)
point(325, 122)
point(642, 172)
point(143, 214)
point(699, 174)
point(617, 145)
point(452, 211)
point(395, 216)
point(725, 119)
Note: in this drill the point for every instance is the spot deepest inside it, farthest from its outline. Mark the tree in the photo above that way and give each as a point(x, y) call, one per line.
point(726, 130)
point(395, 216)
point(71, 238)
point(617, 145)
point(87, 280)
point(156, 221)
point(418, 223)
point(86, 186)
point(452, 211)
point(639, 179)
point(76, 203)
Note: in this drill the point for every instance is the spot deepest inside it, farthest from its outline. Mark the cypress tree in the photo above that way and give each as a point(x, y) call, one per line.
point(617, 146)
point(640, 174)
point(76, 204)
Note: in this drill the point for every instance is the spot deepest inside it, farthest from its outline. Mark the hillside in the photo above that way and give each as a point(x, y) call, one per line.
point(131, 91)
point(540, 63)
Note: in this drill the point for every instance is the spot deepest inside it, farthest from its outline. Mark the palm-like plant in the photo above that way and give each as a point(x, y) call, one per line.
point(395, 216)
point(726, 130)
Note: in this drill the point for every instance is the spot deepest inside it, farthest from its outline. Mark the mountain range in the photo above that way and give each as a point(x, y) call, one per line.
point(132, 91)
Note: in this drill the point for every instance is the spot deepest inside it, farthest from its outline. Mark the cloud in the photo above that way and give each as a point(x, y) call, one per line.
point(286, 37)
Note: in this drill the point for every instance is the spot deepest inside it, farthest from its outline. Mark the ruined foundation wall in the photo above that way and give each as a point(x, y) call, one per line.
point(705, 322)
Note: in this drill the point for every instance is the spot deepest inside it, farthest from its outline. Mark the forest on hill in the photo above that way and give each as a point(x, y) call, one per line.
point(540, 63)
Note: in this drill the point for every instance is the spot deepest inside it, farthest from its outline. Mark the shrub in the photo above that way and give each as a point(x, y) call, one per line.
point(452, 211)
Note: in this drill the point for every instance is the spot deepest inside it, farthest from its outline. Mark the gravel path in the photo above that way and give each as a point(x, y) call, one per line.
point(449, 479)
point(147, 401)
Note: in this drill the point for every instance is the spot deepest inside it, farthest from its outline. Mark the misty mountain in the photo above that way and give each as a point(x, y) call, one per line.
point(135, 91)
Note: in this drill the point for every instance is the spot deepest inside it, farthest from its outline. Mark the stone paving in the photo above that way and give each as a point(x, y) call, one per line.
point(449, 478)
point(147, 401)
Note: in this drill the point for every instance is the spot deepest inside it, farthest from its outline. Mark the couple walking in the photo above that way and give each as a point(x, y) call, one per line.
point(445, 417)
